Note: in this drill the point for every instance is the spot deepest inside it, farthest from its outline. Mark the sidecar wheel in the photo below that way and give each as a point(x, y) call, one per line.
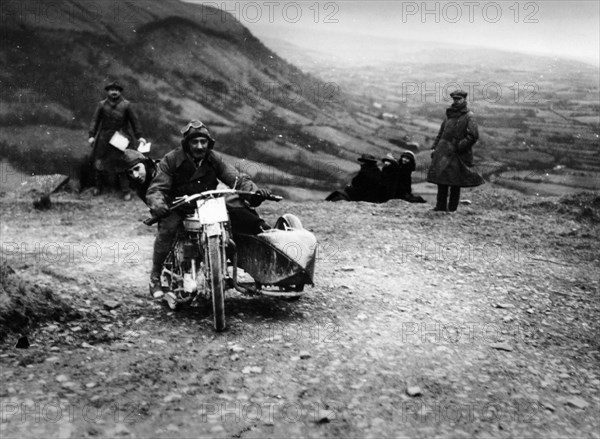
point(292, 297)
point(215, 271)
point(288, 221)
point(295, 289)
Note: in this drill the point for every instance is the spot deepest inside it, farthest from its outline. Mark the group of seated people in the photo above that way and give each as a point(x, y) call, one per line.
point(378, 185)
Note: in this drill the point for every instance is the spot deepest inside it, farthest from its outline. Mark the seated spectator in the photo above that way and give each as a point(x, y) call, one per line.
point(407, 165)
point(391, 176)
point(367, 185)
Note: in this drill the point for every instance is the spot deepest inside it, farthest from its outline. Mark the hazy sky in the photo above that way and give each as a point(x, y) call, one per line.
point(565, 28)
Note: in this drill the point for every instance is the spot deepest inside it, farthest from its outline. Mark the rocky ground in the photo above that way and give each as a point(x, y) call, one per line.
point(482, 323)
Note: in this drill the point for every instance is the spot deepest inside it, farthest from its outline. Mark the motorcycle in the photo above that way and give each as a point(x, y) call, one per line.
point(205, 256)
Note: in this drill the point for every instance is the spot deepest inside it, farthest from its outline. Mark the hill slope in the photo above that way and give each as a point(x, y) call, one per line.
point(176, 61)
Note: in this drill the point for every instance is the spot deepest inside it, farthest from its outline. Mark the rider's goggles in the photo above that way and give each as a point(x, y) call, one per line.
point(190, 125)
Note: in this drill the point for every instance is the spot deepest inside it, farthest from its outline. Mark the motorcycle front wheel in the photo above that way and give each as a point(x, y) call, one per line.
point(215, 274)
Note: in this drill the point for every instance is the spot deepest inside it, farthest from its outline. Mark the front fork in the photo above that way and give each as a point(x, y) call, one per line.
point(216, 229)
point(229, 252)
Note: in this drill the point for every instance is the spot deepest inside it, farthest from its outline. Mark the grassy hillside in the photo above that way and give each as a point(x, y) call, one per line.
point(177, 61)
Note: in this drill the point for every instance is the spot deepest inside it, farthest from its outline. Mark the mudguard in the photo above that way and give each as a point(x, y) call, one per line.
point(278, 257)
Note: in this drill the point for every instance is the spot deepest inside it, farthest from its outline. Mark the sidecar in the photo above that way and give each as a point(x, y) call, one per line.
point(283, 257)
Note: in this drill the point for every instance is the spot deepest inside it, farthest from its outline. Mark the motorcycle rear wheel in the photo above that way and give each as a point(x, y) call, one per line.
point(215, 275)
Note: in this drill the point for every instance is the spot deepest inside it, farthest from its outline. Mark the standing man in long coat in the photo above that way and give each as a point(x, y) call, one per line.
point(113, 114)
point(452, 156)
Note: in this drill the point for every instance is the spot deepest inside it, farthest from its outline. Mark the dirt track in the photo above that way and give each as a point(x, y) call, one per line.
point(479, 324)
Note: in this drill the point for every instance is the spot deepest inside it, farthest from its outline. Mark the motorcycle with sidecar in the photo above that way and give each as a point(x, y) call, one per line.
point(206, 256)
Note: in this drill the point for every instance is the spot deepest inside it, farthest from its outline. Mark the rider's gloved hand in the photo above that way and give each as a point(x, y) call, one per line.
point(160, 211)
point(259, 196)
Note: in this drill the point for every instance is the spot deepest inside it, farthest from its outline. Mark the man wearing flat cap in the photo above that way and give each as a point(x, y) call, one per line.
point(452, 155)
point(113, 114)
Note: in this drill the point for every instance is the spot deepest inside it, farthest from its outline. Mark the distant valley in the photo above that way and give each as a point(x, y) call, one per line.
point(539, 117)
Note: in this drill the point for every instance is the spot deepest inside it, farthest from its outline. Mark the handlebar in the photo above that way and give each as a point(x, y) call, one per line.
point(186, 199)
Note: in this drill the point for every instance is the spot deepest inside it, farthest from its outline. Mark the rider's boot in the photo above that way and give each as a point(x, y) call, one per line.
point(156, 290)
point(162, 246)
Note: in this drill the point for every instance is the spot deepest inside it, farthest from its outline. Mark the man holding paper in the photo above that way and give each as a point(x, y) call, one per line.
point(109, 136)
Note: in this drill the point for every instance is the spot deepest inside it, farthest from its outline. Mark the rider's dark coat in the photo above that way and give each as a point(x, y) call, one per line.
point(453, 156)
point(178, 175)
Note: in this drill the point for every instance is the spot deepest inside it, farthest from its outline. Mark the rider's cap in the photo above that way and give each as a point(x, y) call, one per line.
point(131, 157)
point(194, 129)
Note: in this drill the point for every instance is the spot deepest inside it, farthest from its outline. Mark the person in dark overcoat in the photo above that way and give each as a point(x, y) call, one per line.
point(367, 185)
point(452, 155)
point(112, 114)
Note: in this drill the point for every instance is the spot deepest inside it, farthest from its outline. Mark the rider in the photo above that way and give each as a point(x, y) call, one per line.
point(140, 171)
point(189, 169)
